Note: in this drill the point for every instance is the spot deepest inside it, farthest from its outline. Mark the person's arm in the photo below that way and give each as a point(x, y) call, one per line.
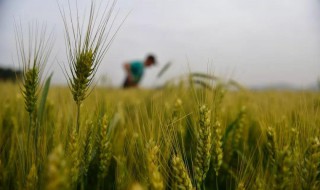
point(127, 68)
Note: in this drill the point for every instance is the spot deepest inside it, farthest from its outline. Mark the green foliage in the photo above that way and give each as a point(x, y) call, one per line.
point(43, 98)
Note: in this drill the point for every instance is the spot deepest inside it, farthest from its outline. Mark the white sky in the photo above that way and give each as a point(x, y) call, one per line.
point(255, 42)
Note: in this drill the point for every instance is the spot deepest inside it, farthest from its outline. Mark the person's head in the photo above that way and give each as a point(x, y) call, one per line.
point(150, 60)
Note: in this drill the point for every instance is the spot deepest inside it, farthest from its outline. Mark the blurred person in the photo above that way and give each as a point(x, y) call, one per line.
point(135, 69)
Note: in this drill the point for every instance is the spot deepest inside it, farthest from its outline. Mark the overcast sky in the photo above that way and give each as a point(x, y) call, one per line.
point(254, 42)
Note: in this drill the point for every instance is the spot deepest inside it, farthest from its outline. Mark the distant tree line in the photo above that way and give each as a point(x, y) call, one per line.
point(10, 74)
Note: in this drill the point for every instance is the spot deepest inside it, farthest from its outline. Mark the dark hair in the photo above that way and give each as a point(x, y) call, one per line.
point(151, 58)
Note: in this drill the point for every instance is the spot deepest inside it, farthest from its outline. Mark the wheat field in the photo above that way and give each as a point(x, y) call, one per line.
point(170, 138)
point(195, 134)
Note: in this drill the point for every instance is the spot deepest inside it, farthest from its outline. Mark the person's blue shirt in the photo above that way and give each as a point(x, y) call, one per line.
point(137, 68)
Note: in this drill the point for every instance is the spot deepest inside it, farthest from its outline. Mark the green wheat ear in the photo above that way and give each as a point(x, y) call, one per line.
point(105, 149)
point(74, 152)
point(271, 146)
point(155, 176)
point(57, 170)
point(203, 152)
point(32, 55)
point(311, 166)
point(284, 168)
point(86, 47)
point(81, 80)
point(217, 151)
point(30, 88)
point(182, 180)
